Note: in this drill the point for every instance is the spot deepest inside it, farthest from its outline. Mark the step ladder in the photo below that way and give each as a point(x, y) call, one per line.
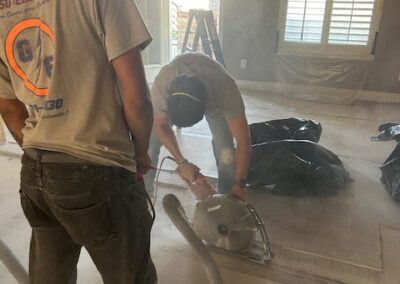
point(206, 32)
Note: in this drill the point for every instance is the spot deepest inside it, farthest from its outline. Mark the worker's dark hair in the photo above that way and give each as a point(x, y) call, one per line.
point(187, 101)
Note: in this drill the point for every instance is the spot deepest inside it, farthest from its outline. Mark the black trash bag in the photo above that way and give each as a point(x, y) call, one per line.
point(387, 132)
point(291, 128)
point(391, 167)
point(297, 168)
point(391, 174)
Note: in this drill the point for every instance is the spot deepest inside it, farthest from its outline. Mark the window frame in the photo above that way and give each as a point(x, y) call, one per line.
point(164, 50)
point(325, 49)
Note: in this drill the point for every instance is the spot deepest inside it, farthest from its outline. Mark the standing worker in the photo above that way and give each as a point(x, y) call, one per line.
point(85, 143)
point(191, 86)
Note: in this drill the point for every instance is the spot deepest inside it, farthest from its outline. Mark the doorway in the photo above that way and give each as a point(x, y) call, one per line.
point(179, 15)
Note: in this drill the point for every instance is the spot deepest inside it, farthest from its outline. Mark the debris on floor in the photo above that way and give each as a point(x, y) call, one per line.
point(287, 159)
point(391, 167)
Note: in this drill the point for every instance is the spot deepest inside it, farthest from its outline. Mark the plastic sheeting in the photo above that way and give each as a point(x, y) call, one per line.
point(323, 79)
point(292, 166)
point(391, 167)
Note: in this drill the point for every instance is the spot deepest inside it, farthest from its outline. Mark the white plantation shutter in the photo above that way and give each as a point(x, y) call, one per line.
point(341, 28)
point(351, 22)
point(305, 20)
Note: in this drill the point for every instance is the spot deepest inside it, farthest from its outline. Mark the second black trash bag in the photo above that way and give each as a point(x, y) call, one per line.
point(281, 129)
point(391, 167)
point(391, 173)
point(388, 131)
point(286, 157)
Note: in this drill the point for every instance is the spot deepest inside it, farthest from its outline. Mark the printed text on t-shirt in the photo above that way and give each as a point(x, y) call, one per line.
point(5, 4)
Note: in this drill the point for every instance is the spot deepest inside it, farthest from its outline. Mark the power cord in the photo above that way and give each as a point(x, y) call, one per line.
point(155, 181)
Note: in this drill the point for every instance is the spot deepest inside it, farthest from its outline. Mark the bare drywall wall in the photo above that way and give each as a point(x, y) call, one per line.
point(385, 70)
point(249, 32)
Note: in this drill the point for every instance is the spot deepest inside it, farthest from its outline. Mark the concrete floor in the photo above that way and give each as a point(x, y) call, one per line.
point(348, 238)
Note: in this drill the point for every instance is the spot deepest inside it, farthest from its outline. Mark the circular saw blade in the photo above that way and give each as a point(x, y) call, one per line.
point(225, 223)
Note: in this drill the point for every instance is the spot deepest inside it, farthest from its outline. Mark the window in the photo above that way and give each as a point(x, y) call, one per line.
point(351, 22)
point(305, 20)
point(332, 27)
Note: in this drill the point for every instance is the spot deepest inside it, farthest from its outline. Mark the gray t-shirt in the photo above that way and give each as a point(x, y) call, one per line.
point(56, 59)
point(224, 96)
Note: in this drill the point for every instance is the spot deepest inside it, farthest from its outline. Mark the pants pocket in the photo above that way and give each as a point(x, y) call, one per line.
point(30, 210)
point(89, 226)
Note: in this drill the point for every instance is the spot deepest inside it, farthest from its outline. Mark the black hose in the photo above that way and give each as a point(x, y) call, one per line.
point(12, 264)
point(176, 213)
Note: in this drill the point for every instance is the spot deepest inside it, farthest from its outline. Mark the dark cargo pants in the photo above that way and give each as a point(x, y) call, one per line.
point(75, 205)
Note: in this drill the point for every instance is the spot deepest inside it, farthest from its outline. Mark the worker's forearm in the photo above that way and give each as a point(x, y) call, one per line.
point(168, 139)
point(137, 105)
point(140, 122)
point(14, 114)
point(240, 131)
point(243, 154)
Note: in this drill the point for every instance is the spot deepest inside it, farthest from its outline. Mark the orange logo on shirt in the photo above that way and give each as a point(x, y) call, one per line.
point(23, 46)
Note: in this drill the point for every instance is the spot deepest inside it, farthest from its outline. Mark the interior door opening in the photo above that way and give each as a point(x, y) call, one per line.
point(179, 14)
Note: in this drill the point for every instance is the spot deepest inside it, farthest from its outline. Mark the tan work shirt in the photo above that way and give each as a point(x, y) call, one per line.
point(55, 57)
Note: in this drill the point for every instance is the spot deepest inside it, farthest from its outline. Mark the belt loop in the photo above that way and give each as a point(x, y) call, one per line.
point(38, 168)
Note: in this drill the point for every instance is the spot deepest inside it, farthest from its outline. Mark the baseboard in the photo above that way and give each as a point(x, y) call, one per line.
point(317, 93)
point(372, 96)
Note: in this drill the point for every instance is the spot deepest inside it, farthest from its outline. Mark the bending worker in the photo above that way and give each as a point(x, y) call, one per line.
point(189, 87)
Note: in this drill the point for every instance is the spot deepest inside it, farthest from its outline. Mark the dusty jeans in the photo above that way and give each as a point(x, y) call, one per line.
point(224, 153)
point(75, 205)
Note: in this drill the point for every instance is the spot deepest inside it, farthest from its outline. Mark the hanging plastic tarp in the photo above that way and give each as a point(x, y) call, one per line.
point(325, 79)
point(297, 166)
point(391, 167)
